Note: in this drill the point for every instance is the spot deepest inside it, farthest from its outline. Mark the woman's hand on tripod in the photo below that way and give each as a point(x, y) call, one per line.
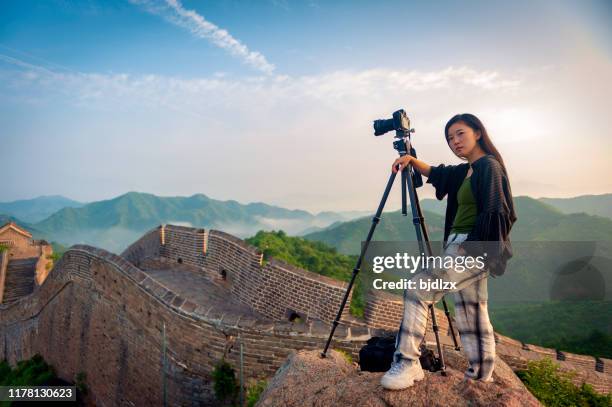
point(403, 162)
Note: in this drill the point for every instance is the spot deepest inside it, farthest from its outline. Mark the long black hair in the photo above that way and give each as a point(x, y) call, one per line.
point(475, 124)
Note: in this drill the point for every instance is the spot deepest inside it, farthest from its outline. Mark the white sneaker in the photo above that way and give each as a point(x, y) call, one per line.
point(402, 374)
point(470, 374)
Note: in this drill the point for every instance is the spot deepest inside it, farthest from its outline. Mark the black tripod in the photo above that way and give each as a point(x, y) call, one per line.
point(410, 181)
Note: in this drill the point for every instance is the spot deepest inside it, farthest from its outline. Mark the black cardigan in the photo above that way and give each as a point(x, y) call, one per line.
point(495, 209)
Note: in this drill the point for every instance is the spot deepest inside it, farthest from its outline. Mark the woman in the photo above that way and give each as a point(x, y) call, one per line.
point(479, 210)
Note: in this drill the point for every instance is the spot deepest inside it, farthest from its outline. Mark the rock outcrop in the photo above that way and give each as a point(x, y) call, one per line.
point(306, 379)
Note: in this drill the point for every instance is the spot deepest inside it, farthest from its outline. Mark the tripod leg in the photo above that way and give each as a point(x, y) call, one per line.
point(404, 205)
point(421, 221)
point(450, 325)
point(439, 345)
point(364, 248)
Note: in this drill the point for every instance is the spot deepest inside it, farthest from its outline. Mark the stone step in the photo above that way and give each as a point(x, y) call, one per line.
point(17, 293)
point(26, 284)
point(25, 273)
point(19, 263)
point(20, 275)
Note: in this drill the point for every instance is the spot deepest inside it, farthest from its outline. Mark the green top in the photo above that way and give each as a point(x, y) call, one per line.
point(465, 219)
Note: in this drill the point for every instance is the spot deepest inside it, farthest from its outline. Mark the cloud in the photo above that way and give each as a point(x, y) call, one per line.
point(200, 95)
point(22, 64)
point(277, 126)
point(174, 12)
point(284, 4)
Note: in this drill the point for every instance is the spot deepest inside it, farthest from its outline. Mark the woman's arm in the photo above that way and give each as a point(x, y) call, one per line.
point(420, 166)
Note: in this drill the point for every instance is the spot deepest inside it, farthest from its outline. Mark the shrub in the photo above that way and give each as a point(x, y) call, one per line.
point(554, 387)
point(224, 381)
point(32, 372)
point(254, 392)
point(80, 382)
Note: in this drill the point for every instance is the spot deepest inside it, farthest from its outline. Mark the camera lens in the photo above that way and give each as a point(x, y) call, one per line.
point(382, 126)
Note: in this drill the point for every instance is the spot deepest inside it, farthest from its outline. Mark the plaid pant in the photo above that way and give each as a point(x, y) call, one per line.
point(471, 314)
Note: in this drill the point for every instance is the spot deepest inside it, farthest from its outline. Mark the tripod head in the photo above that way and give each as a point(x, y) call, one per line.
point(403, 145)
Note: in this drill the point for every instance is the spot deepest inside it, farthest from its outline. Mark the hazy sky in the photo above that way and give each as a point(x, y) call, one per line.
point(274, 101)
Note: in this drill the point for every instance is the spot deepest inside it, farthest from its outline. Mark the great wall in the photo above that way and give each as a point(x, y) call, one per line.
point(152, 322)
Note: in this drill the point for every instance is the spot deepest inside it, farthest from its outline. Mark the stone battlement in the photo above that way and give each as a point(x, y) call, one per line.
point(383, 310)
point(98, 309)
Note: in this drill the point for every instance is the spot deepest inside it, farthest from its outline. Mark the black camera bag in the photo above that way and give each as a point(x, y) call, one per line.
point(377, 355)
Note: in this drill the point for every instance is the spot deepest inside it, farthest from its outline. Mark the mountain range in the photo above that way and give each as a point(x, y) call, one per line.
point(537, 220)
point(37, 209)
point(546, 242)
point(592, 204)
point(115, 223)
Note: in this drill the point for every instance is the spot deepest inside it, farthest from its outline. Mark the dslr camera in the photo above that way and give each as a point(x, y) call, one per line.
point(399, 122)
